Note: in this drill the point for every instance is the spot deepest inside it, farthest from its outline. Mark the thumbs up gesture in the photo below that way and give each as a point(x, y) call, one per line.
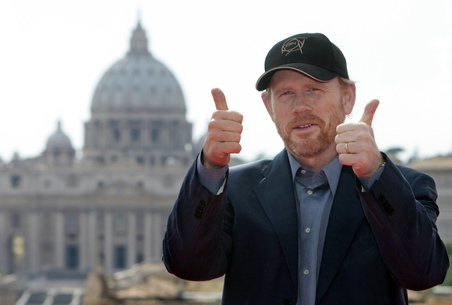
point(356, 146)
point(223, 134)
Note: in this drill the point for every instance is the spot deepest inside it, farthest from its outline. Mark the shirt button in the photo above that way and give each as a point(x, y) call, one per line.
point(310, 192)
point(303, 171)
point(306, 272)
point(308, 230)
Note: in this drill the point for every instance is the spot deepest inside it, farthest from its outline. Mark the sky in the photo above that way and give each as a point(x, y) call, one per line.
point(54, 52)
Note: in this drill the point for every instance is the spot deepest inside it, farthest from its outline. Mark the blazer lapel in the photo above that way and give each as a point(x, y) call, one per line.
point(345, 217)
point(276, 195)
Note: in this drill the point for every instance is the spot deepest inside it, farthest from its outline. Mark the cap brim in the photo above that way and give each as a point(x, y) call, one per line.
point(314, 72)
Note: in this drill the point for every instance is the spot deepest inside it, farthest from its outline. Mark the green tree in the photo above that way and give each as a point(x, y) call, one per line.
point(448, 280)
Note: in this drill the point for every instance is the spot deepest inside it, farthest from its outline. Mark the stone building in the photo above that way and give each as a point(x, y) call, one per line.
point(109, 207)
point(440, 169)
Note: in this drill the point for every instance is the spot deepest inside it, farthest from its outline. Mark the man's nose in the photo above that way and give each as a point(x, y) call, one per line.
point(301, 105)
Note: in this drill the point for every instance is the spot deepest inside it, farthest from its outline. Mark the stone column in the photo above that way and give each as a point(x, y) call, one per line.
point(108, 242)
point(59, 240)
point(147, 236)
point(82, 240)
point(3, 242)
point(32, 242)
point(103, 136)
point(131, 239)
point(91, 241)
point(146, 135)
point(125, 134)
point(165, 135)
point(157, 237)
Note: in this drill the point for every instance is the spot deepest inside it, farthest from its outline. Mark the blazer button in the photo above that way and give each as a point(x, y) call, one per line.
point(287, 302)
point(200, 209)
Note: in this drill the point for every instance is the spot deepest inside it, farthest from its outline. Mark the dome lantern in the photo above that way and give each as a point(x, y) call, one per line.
point(138, 42)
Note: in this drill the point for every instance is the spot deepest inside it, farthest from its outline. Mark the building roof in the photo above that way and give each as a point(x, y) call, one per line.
point(433, 164)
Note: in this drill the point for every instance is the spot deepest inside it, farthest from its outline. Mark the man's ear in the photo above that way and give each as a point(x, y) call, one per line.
point(348, 98)
point(267, 102)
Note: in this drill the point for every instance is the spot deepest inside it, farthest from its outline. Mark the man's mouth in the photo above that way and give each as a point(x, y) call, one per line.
point(304, 126)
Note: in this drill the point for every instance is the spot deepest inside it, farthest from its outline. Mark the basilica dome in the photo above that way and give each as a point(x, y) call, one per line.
point(59, 140)
point(59, 150)
point(138, 83)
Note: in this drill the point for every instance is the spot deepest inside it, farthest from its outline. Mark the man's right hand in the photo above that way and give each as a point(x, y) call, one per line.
point(223, 134)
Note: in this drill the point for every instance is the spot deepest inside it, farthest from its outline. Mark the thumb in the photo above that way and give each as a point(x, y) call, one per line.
point(219, 99)
point(369, 112)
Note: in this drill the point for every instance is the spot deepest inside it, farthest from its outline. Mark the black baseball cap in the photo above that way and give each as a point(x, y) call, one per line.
point(312, 54)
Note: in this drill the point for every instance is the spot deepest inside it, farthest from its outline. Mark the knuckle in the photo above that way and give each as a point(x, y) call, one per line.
point(211, 137)
point(238, 148)
point(213, 124)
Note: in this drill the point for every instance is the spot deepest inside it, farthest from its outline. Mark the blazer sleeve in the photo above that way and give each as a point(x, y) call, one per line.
point(197, 242)
point(402, 211)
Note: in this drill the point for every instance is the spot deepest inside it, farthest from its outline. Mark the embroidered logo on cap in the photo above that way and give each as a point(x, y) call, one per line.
point(292, 45)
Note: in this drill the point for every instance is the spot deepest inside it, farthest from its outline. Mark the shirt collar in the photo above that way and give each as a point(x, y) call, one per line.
point(332, 171)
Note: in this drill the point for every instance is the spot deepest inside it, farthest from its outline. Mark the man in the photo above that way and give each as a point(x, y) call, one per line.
point(330, 220)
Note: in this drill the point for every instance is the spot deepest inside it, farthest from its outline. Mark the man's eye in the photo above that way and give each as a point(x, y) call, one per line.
point(287, 93)
point(314, 91)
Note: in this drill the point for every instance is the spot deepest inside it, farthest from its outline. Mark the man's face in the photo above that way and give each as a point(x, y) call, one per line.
point(306, 112)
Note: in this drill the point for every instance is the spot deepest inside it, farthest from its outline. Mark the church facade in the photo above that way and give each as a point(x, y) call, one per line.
point(108, 208)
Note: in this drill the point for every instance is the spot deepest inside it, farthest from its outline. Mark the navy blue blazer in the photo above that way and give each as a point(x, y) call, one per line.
point(378, 243)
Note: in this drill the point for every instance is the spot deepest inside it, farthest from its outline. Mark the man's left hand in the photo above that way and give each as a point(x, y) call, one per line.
point(356, 146)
